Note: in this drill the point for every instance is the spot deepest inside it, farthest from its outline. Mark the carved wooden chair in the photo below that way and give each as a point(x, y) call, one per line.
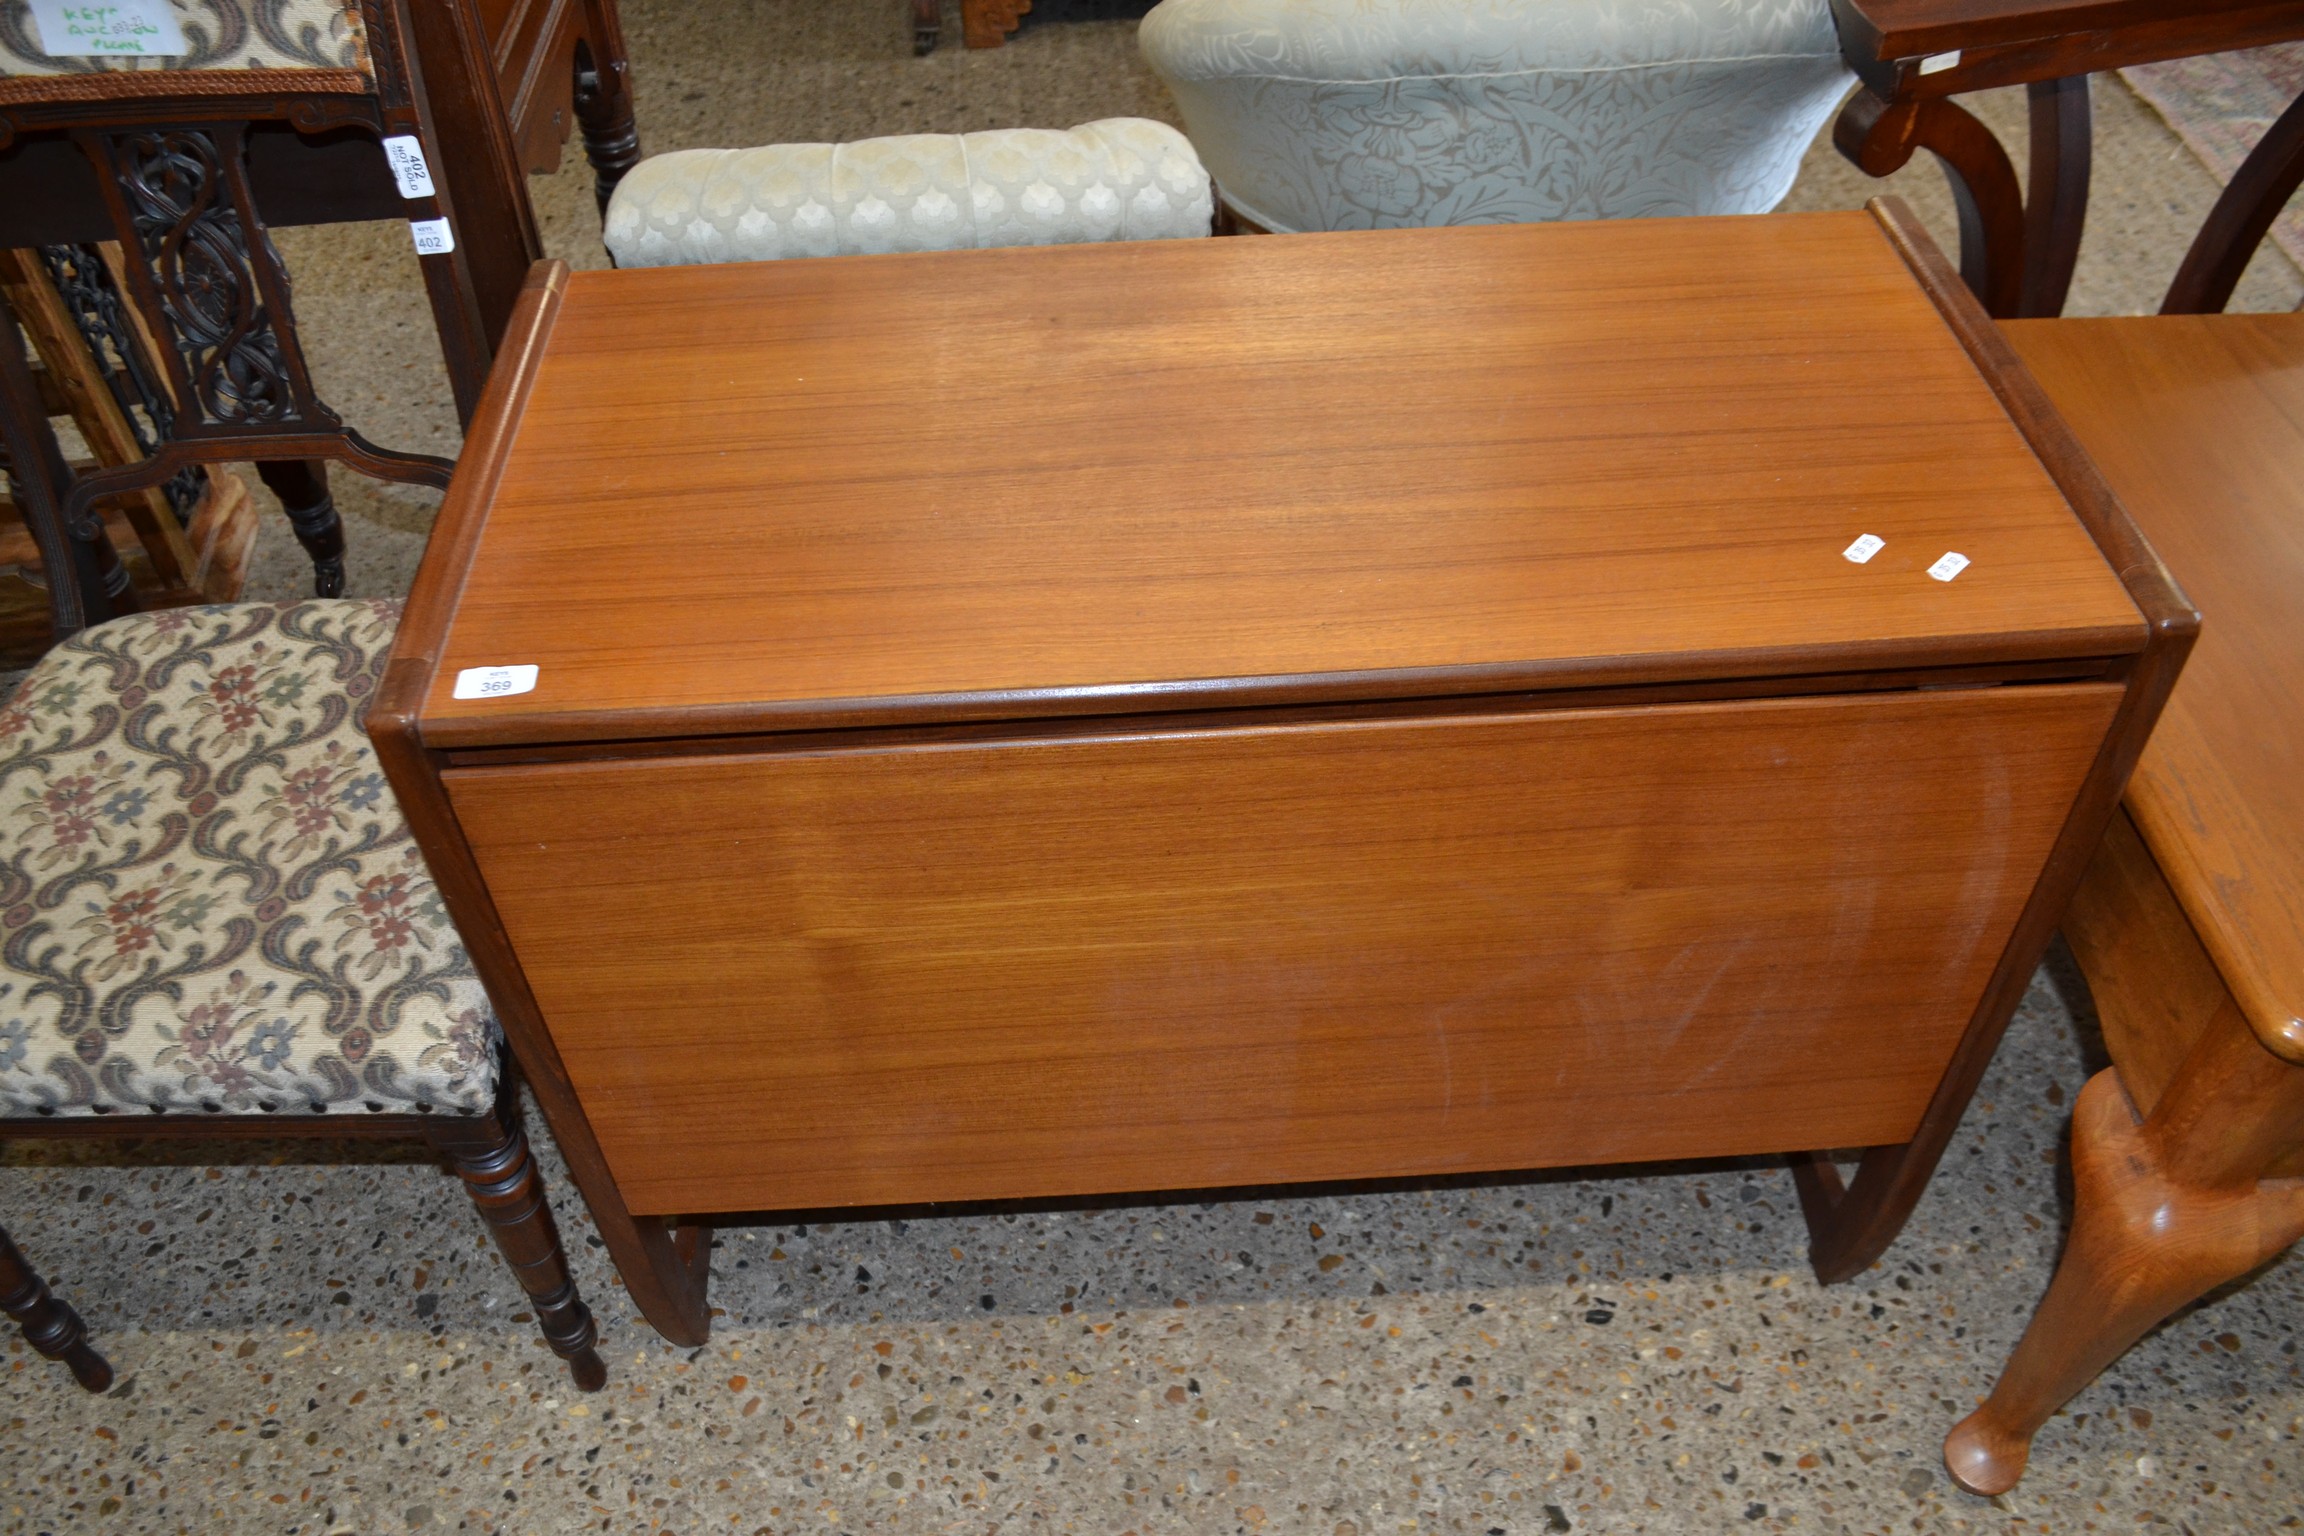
point(274, 117)
point(2188, 1152)
point(214, 922)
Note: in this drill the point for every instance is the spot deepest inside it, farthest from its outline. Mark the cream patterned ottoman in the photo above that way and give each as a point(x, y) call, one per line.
point(1121, 178)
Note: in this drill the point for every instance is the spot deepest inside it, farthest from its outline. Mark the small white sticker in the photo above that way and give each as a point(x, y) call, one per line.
point(70, 30)
point(494, 682)
point(432, 236)
point(1937, 63)
point(1950, 566)
point(405, 152)
point(1865, 548)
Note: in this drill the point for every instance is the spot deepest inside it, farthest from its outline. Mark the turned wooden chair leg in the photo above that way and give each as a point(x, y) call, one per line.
point(490, 1153)
point(302, 486)
point(50, 1326)
point(2163, 1212)
point(604, 109)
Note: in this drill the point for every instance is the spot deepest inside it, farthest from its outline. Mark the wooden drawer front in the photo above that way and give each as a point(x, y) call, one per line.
point(1358, 949)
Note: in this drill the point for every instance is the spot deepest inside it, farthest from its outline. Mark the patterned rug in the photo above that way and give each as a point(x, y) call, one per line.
point(2220, 104)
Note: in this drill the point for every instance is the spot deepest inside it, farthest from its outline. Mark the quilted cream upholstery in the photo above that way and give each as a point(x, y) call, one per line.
point(1122, 178)
point(1359, 114)
point(221, 34)
point(208, 897)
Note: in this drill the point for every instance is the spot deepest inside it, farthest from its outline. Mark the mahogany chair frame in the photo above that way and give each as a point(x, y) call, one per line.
point(489, 1152)
point(190, 165)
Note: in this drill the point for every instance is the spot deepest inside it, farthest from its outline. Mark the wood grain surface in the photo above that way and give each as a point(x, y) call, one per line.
point(1113, 478)
point(2156, 992)
point(2154, 987)
point(2198, 422)
point(1165, 960)
point(1898, 29)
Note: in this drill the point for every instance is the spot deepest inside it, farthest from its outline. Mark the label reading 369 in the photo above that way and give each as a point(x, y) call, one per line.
point(494, 682)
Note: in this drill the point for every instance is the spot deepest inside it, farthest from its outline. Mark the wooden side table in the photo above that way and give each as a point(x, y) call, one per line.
point(1417, 702)
point(2188, 1153)
point(2018, 243)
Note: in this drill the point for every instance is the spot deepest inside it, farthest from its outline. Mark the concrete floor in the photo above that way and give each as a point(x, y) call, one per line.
point(312, 1340)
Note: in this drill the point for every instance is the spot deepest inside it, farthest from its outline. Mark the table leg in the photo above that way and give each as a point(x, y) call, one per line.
point(2242, 216)
point(2164, 1210)
point(2056, 202)
point(1879, 136)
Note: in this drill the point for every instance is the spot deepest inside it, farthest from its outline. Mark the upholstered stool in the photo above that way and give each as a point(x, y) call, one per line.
point(1361, 114)
point(1121, 178)
point(213, 920)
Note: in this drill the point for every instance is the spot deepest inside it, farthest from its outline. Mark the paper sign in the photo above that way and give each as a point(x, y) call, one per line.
point(494, 682)
point(1865, 548)
point(433, 237)
point(1937, 63)
point(1950, 566)
point(71, 30)
point(405, 152)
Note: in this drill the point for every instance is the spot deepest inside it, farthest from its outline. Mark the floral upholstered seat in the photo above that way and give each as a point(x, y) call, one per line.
point(208, 897)
point(218, 34)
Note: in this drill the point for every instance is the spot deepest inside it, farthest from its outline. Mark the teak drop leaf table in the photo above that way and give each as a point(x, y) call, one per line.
point(1401, 708)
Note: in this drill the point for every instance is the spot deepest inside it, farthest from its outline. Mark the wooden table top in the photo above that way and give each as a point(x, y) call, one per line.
point(1102, 478)
point(2198, 423)
point(1903, 29)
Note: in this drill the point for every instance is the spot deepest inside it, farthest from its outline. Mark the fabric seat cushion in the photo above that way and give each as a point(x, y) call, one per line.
point(219, 34)
point(208, 897)
point(1120, 178)
point(1358, 114)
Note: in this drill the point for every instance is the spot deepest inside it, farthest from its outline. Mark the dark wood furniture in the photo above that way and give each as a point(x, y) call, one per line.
point(50, 1326)
point(2018, 243)
point(2188, 1153)
point(1405, 708)
point(180, 543)
point(187, 168)
point(489, 1152)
